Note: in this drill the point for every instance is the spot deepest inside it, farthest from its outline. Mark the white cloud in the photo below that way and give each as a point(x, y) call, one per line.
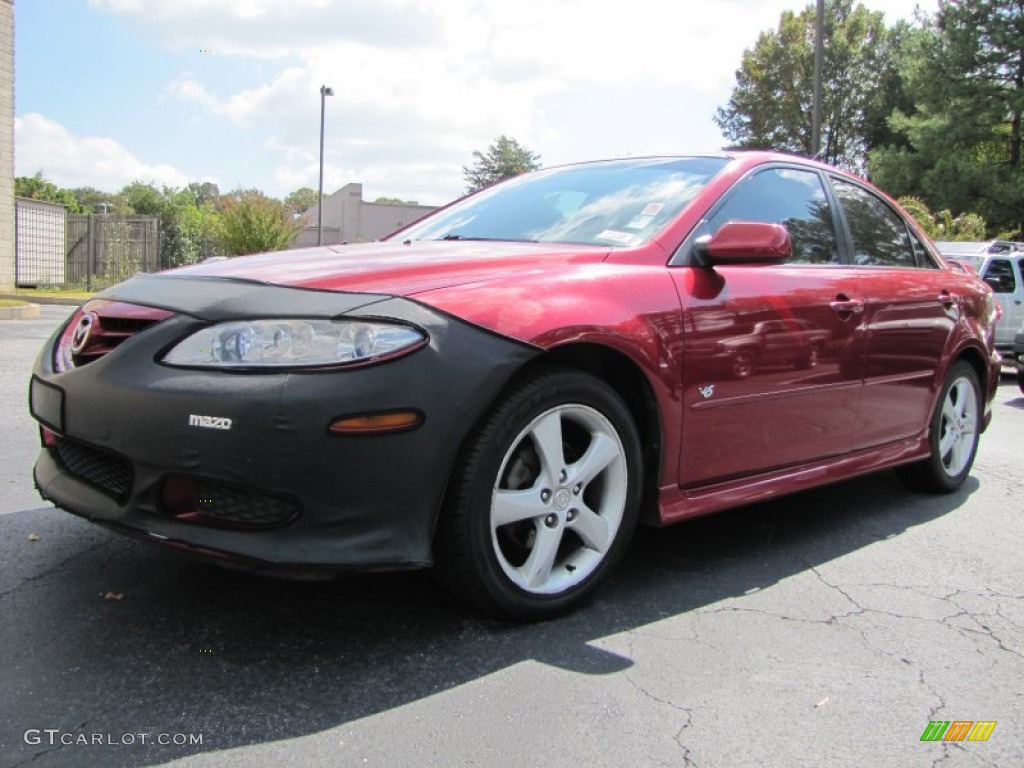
point(479, 68)
point(419, 84)
point(76, 161)
point(268, 29)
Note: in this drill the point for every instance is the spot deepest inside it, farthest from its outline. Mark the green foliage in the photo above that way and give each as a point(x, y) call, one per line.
point(504, 159)
point(91, 200)
point(38, 188)
point(144, 199)
point(943, 225)
point(389, 201)
point(202, 193)
point(188, 219)
point(960, 141)
point(189, 226)
point(301, 200)
point(253, 223)
point(771, 105)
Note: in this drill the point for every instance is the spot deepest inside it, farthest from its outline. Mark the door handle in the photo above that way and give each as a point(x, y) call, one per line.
point(946, 299)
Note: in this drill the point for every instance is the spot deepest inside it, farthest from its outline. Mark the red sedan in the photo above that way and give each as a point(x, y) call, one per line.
point(505, 389)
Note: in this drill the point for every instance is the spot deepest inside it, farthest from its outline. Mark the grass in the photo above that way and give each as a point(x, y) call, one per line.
point(55, 293)
point(12, 303)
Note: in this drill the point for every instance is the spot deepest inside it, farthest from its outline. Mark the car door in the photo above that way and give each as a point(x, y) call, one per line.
point(910, 312)
point(770, 375)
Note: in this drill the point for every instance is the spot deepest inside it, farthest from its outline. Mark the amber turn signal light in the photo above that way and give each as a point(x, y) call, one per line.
point(376, 423)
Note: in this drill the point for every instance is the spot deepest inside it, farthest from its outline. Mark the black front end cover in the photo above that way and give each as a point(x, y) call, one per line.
point(343, 501)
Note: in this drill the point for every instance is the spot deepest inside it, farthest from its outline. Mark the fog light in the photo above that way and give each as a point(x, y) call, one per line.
point(48, 437)
point(178, 497)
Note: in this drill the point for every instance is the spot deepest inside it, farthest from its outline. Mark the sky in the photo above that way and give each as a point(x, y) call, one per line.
point(172, 91)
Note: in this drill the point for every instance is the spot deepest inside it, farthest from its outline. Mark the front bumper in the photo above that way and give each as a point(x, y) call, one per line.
point(351, 501)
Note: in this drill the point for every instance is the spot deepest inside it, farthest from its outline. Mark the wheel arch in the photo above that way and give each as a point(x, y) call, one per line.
point(976, 360)
point(628, 380)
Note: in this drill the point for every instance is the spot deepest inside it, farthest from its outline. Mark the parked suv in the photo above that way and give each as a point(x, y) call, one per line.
point(999, 264)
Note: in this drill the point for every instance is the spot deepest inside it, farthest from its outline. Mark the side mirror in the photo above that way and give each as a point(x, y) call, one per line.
point(746, 242)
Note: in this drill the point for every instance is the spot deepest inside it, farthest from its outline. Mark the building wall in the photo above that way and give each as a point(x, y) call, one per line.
point(348, 218)
point(6, 144)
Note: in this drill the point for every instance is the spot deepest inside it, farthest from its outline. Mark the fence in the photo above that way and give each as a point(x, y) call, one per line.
point(104, 249)
point(83, 252)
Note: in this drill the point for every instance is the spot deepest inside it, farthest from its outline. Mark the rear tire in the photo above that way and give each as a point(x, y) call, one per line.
point(544, 498)
point(953, 435)
point(1020, 377)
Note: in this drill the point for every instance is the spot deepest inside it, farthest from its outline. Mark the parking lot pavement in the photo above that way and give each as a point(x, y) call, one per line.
point(827, 629)
point(20, 340)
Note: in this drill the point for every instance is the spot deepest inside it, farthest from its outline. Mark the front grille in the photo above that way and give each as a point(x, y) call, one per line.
point(107, 472)
point(99, 328)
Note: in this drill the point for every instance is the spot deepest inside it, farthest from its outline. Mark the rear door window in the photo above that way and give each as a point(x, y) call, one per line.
point(880, 236)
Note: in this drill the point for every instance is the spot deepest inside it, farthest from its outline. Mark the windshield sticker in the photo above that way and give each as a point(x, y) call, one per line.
point(616, 237)
point(652, 209)
point(640, 222)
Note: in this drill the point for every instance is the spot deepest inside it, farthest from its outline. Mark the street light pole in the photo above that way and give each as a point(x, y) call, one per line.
point(324, 93)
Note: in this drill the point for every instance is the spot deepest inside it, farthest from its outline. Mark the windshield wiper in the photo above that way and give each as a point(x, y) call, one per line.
point(454, 236)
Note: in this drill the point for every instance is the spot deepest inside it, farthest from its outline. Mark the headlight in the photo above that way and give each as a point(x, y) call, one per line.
point(290, 343)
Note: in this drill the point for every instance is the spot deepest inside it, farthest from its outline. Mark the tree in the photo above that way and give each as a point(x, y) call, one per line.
point(201, 193)
point(188, 219)
point(943, 225)
point(189, 225)
point(771, 105)
point(38, 188)
point(144, 199)
point(504, 159)
point(254, 223)
point(389, 201)
point(962, 139)
point(302, 200)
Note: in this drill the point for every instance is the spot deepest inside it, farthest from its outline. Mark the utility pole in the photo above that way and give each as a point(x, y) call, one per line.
point(819, 62)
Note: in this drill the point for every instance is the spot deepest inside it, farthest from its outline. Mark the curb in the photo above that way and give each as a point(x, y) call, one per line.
point(44, 299)
point(25, 312)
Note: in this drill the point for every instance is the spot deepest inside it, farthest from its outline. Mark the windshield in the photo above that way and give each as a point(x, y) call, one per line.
point(968, 258)
point(616, 203)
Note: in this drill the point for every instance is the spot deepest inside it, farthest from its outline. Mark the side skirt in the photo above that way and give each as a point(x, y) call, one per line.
point(676, 504)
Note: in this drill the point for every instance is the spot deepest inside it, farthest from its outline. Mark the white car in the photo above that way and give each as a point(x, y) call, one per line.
point(998, 263)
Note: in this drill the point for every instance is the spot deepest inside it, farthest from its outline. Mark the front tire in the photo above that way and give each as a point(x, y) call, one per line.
point(810, 360)
point(953, 435)
point(743, 364)
point(544, 498)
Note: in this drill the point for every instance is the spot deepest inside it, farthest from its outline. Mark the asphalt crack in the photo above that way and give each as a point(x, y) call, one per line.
point(52, 569)
point(678, 736)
